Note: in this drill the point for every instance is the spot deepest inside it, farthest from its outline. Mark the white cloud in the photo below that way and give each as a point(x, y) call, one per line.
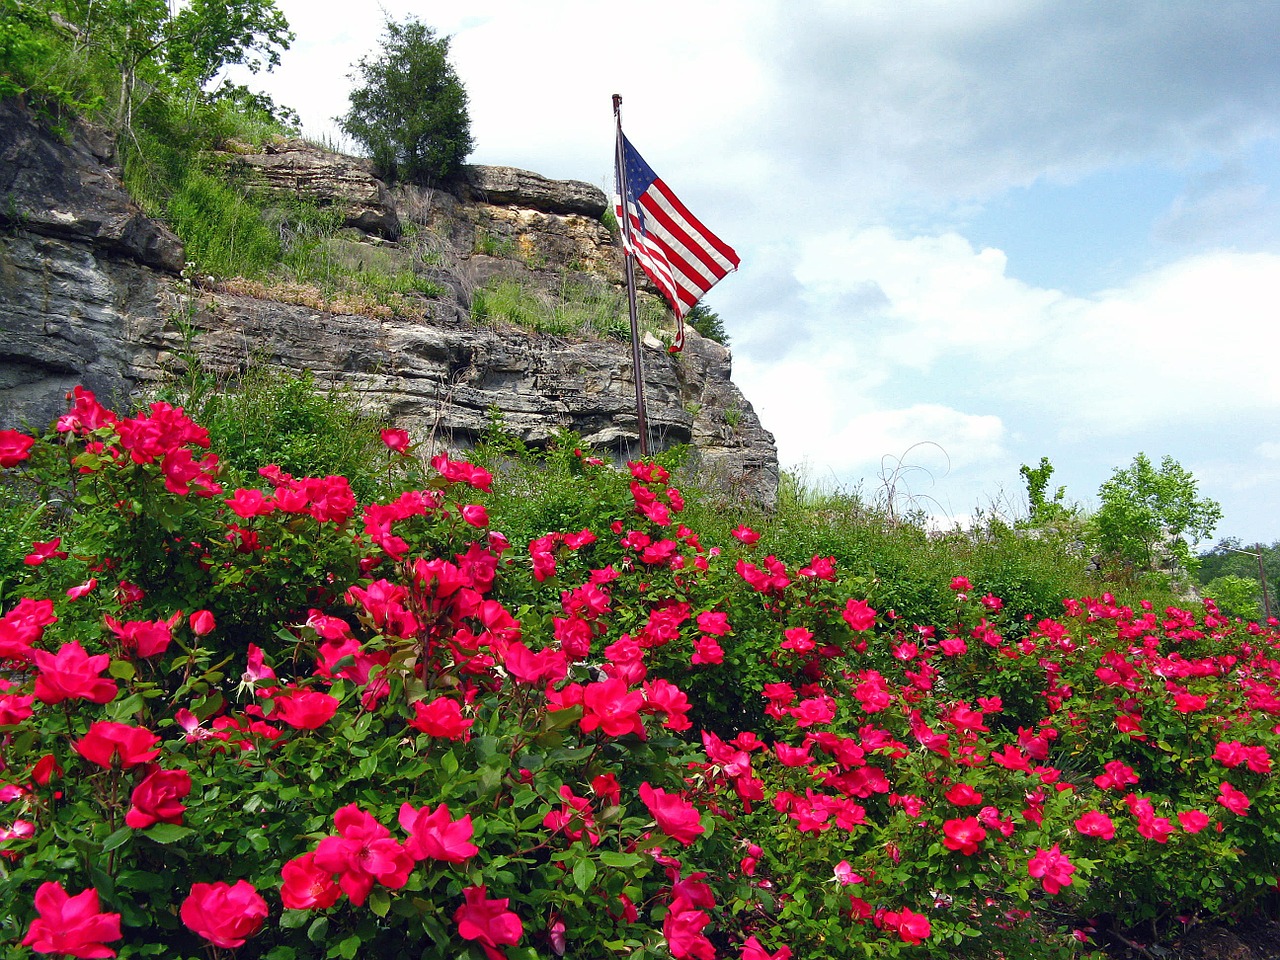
point(969, 99)
point(997, 372)
point(925, 435)
point(939, 295)
point(1191, 341)
point(1171, 344)
point(1268, 450)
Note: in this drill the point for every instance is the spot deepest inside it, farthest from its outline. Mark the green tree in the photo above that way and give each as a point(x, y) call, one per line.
point(1236, 595)
point(410, 109)
point(151, 48)
point(707, 322)
point(1143, 507)
point(205, 36)
point(27, 49)
point(1043, 510)
point(1229, 559)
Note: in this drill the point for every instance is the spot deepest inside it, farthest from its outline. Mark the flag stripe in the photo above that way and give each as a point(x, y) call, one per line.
point(670, 278)
point(685, 275)
point(696, 261)
point(679, 212)
point(652, 255)
point(680, 255)
point(683, 270)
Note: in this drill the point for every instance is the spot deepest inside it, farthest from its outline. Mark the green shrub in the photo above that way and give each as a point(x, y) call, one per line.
point(1237, 596)
point(707, 322)
point(34, 64)
point(409, 108)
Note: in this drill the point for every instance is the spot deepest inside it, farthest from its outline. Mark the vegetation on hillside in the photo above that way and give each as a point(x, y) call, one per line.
point(127, 61)
point(530, 705)
point(707, 322)
point(1242, 577)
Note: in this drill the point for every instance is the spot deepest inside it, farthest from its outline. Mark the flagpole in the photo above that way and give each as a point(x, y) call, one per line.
point(620, 171)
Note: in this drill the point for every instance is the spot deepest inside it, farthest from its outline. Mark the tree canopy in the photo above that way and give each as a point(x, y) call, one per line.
point(1234, 564)
point(707, 322)
point(1142, 507)
point(123, 52)
point(409, 109)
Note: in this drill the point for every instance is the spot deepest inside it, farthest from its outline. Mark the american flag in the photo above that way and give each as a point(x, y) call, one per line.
point(681, 256)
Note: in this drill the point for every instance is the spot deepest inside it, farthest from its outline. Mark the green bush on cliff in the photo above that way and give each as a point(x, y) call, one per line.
point(410, 109)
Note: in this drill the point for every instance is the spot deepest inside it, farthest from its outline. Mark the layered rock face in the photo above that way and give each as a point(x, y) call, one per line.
point(90, 293)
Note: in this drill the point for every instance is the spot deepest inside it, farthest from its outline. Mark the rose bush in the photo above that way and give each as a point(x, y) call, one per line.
point(252, 714)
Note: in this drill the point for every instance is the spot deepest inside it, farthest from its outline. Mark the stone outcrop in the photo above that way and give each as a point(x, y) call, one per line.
point(484, 240)
point(507, 186)
point(291, 169)
point(443, 379)
point(101, 305)
point(68, 190)
point(69, 315)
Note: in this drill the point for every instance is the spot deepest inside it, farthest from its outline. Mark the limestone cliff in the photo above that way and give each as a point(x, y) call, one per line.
point(90, 292)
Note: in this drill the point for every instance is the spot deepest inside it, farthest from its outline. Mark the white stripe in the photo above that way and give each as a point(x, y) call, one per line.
point(647, 247)
point(659, 197)
point(701, 279)
point(653, 260)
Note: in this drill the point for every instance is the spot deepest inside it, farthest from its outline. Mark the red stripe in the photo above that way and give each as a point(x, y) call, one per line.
point(690, 288)
point(677, 277)
point(678, 233)
point(684, 248)
point(654, 264)
point(667, 231)
point(721, 247)
point(653, 252)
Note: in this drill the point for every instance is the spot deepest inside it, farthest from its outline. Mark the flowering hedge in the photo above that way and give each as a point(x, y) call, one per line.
point(265, 718)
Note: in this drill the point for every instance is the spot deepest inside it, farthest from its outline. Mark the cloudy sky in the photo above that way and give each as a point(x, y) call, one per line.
point(972, 234)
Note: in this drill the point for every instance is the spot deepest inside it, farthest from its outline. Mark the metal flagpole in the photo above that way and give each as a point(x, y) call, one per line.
point(620, 169)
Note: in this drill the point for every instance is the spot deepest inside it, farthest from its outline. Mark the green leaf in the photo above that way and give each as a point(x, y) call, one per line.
point(379, 901)
point(319, 927)
point(209, 706)
point(624, 861)
point(584, 874)
point(560, 719)
point(123, 709)
point(167, 832)
point(348, 947)
point(122, 669)
point(144, 880)
point(117, 839)
point(490, 780)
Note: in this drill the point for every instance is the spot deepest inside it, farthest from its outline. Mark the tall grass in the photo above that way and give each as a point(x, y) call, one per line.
point(577, 308)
